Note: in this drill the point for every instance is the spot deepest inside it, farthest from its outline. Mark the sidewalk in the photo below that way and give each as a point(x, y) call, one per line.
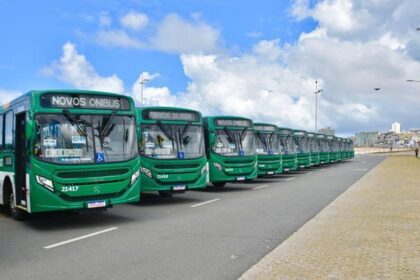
point(372, 231)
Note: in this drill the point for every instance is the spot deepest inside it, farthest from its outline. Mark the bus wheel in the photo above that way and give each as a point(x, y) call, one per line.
point(165, 193)
point(218, 184)
point(14, 212)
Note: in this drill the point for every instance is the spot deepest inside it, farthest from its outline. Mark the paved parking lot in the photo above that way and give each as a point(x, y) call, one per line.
point(210, 234)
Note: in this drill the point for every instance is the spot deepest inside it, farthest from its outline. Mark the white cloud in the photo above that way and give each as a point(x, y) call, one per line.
point(74, 69)
point(134, 21)
point(118, 38)
point(268, 49)
point(104, 19)
point(300, 9)
point(8, 95)
point(177, 35)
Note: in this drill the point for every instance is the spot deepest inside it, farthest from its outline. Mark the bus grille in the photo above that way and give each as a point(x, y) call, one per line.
point(92, 197)
point(176, 166)
point(94, 173)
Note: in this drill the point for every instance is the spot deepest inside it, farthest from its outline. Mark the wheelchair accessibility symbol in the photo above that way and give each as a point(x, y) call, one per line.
point(100, 157)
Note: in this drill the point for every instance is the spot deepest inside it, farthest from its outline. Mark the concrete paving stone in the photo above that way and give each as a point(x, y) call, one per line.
point(372, 231)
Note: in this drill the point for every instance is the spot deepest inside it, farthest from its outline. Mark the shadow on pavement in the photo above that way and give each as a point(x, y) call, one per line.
point(73, 220)
point(150, 200)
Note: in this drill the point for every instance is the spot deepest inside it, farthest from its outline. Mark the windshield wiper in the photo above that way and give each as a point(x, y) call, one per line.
point(167, 132)
point(184, 139)
point(74, 122)
point(262, 139)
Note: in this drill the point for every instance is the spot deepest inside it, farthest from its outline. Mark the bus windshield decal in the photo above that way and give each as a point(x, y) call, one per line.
point(233, 122)
point(170, 115)
point(52, 100)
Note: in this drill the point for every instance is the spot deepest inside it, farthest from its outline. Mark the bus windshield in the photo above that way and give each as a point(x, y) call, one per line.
point(267, 143)
point(314, 144)
point(324, 146)
point(70, 139)
point(302, 144)
point(234, 142)
point(168, 141)
point(288, 144)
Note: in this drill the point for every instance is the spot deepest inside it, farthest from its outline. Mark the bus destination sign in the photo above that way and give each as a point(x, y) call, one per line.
point(82, 101)
point(171, 115)
point(285, 131)
point(233, 122)
point(270, 128)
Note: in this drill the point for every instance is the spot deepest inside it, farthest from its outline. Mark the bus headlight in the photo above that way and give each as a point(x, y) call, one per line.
point(47, 183)
point(146, 171)
point(218, 166)
point(203, 169)
point(135, 176)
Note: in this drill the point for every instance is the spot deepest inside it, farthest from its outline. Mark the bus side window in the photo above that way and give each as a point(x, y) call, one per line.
point(1, 132)
point(8, 130)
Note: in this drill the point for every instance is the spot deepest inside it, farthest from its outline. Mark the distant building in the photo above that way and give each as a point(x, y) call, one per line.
point(366, 139)
point(396, 127)
point(328, 131)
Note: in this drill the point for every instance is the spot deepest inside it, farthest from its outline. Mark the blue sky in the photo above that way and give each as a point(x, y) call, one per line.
point(254, 59)
point(33, 33)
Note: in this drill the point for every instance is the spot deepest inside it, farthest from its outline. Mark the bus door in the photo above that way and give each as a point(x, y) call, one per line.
point(20, 159)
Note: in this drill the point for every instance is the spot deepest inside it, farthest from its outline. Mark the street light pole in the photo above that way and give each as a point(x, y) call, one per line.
point(317, 92)
point(142, 82)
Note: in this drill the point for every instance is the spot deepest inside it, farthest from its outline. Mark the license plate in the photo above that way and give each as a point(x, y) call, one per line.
point(270, 172)
point(240, 178)
point(302, 166)
point(96, 204)
point(287, 169)
point(179, 188)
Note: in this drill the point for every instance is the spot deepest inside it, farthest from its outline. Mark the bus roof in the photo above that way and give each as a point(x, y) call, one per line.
point(37, 93)
point(282, 131)
point(163, 113)
point(268, 127)
point(232, 121)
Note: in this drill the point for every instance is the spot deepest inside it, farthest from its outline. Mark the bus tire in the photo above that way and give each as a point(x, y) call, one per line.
point(165, 193)
point(9, 199)
point(218, 184)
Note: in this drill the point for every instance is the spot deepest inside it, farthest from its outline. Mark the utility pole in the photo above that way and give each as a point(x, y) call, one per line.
point(142, 82)
point(317, 92)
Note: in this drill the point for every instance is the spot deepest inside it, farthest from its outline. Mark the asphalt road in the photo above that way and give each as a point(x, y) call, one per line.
point(211, 234)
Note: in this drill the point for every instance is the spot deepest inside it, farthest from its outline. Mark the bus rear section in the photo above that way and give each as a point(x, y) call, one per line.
point(324, 155)
point(73, 150)
point(268, 149)
point(171, 147)
point(314, 148)
point(289, 156)
point(303, 149)
point(230, 149)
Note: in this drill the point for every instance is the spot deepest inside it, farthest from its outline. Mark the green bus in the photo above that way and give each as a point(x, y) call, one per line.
point(342, 147)
point(268, 149)
point(314, 148)
point(351, 148)
point(333, 143)
point(303, 149)
point(67, 150)
point(171, 147)
point(289, 157)
point(324, 154)
point(230, 149)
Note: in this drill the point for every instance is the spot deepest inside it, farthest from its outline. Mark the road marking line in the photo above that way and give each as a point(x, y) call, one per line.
point(359, 169)
point(290, 179)
point(79, 238)
point(260, 187)
point(205, 202)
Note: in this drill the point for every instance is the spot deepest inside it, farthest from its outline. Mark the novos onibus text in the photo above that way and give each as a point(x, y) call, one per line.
point(67, 150)
point(171, 146)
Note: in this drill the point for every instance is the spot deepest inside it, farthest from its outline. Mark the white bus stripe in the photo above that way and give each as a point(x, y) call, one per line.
point(79, 238)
